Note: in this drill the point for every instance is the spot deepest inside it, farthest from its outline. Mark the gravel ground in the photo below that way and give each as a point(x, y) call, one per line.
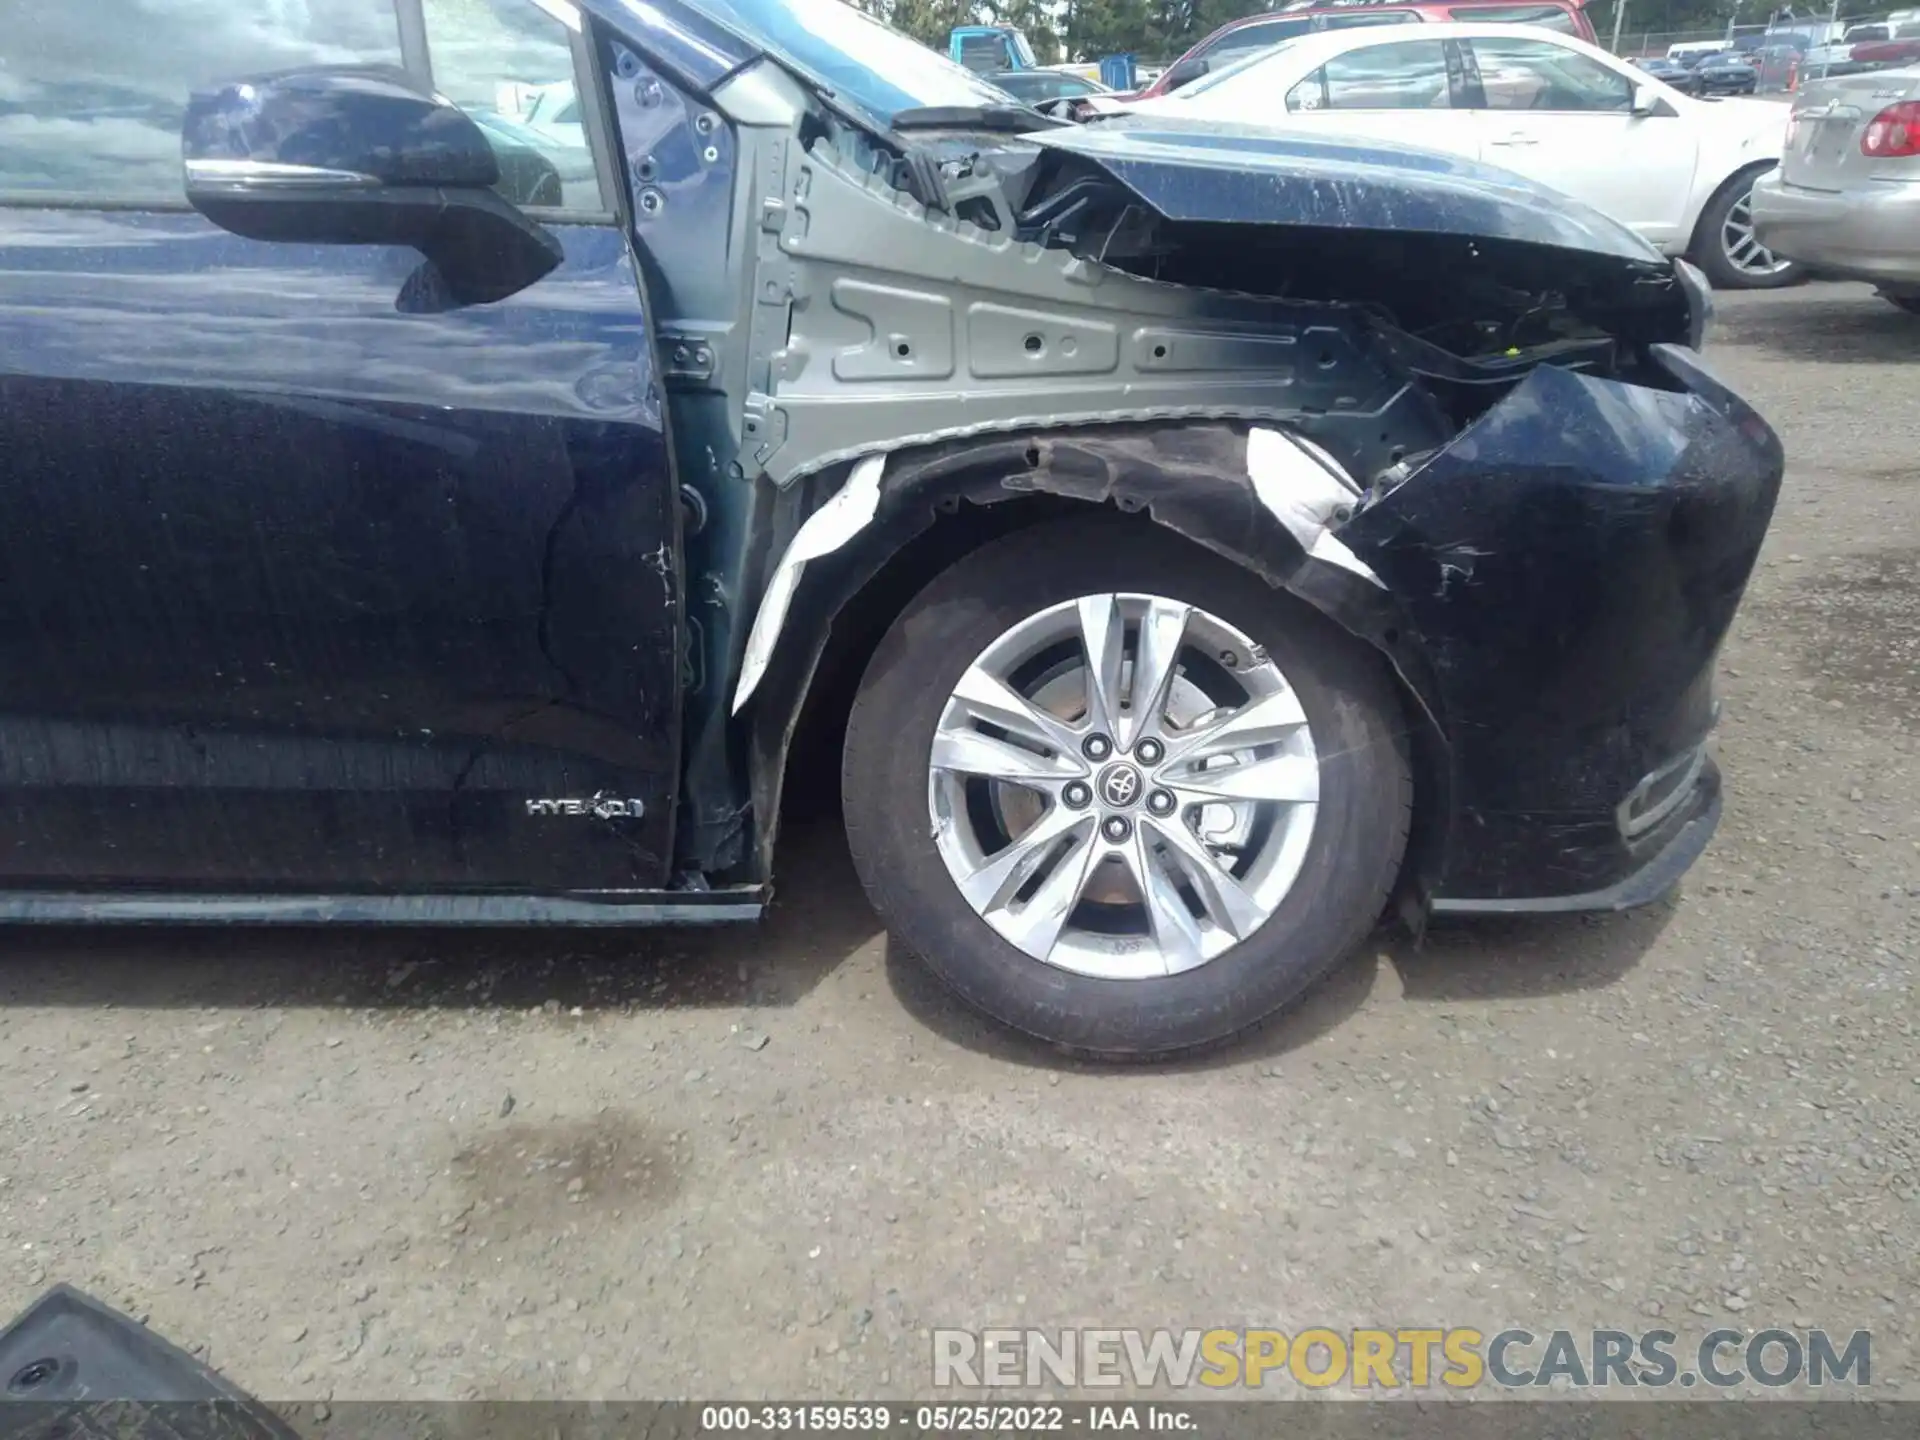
point(764, 1163)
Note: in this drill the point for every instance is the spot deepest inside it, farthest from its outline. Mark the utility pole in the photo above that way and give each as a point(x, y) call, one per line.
point(1619, 18)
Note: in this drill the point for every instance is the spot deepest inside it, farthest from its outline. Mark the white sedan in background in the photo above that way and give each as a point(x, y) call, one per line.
point(1678, 170)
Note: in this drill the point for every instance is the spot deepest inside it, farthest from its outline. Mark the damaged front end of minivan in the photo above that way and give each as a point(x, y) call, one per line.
point(1460, 416)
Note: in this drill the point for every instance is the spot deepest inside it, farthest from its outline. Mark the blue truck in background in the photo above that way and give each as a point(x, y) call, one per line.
point(990, 49)
point(996, 49)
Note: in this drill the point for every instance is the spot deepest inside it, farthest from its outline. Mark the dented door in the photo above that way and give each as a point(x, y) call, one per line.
point(304, 590)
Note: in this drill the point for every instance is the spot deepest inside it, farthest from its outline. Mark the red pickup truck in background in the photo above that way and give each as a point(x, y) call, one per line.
point(1897, 47)
point(1901, 48)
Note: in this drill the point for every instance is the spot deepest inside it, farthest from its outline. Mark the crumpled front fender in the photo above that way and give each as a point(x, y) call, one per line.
point(1570, 565)
point(1551, 589)
point(1269, 501)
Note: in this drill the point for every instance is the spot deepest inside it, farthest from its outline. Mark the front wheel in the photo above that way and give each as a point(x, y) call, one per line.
point(1727, 249)
point(1120, 795)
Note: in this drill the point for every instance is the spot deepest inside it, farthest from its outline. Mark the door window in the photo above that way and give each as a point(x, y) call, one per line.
point(1254, 37)
point(1355, 19)
point(1550, 17)
point(1407, 75)
point(92, 92)
point(509, 64)
point(1540, 75)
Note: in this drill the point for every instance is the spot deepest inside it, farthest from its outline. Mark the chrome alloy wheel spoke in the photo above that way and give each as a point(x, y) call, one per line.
point(1123, 786)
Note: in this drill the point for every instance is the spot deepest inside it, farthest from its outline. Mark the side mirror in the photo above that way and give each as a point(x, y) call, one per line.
point(1646, 100)
point(1186, 74)
point(362, 156)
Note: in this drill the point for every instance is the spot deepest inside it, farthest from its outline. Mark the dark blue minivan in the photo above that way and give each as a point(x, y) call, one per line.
point(463, 461)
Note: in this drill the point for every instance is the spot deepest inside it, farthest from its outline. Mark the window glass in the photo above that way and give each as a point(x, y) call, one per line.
point(869, 65)
point(1255, 37)
point(1540, 75)
point(509, 64)
point(1354, 19)
point(92, 92)
point(1550, 17)
point(1246, 71)
point(1410, 75)
point(1036, 87)
point(984, 53)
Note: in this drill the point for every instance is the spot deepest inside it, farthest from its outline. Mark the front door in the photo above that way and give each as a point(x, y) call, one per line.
point(303, 587)
point(1400, 91)
point(1566, 119)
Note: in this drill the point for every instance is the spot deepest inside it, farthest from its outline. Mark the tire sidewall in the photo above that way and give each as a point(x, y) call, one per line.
point(1709, 246)
point(1344, 877)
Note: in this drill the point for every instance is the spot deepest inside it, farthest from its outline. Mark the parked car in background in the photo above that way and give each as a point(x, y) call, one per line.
point(1692, 52)
point(1239, 38)
point(1670, 72)
point(1798, 40)
point(1846, 198)
point(1174, 580)
point(1553, 107)
point(1043, 87)
point(1728, 73)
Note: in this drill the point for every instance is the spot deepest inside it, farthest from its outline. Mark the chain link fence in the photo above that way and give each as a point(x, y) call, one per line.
point(1785, 54)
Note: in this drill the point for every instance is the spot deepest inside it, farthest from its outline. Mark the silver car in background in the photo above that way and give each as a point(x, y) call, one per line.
point(1846, 196)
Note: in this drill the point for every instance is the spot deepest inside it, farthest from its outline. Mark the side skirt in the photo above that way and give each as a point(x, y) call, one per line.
point(629, 908)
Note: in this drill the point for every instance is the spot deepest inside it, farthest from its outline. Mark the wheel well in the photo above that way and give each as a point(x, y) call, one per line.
point(1752, 170)
point(811, 785)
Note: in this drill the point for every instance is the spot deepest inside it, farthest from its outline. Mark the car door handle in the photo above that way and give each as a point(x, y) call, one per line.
point(1517, 138)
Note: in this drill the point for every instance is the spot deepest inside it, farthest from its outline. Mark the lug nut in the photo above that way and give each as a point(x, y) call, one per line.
point(1160, 802)
point(1149, 751)
point(1116, 828)
point(1097, 747)
point(1077, 794)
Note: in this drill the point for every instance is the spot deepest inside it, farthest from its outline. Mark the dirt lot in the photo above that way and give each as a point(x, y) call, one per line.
point(764, 1163)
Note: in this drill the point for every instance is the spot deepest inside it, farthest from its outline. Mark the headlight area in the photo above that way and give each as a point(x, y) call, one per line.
point(1699, 293)
point(1661, 793)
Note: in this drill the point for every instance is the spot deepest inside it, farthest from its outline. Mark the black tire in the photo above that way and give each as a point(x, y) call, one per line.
point(1351, 863)
point(1708, 251)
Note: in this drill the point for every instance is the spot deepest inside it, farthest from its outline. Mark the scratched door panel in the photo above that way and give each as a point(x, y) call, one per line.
point(304, 591)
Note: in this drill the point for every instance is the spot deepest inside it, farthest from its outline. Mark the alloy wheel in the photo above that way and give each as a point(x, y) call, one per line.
point(1741, 244)
point(1123, 786)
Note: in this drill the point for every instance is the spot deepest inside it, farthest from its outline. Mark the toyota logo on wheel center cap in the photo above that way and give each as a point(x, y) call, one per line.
point(1120, 786)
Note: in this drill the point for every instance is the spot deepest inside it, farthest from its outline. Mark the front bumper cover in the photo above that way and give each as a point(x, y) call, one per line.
point(1659, 860)
point(1570, 565)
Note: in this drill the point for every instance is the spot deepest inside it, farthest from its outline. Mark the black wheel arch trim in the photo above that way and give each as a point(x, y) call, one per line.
point(1189, 478)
